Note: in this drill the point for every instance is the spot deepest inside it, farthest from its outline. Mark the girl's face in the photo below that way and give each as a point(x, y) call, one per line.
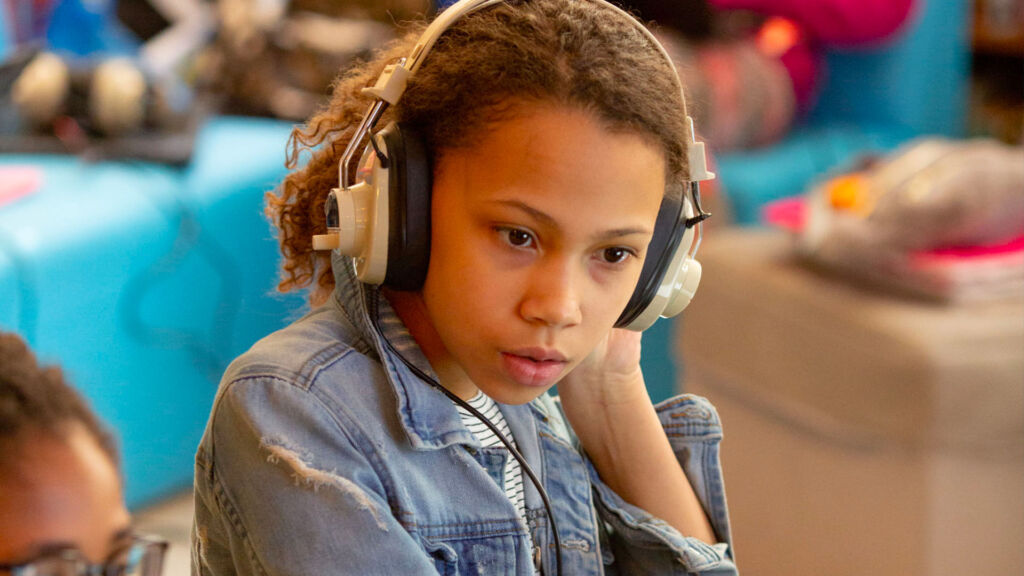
point(61, 493)
point(540, 230)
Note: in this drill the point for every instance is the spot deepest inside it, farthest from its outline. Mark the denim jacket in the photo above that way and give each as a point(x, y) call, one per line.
point(326, 454)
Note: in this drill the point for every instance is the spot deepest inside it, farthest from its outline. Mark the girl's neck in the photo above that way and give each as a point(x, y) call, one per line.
point(411, 310)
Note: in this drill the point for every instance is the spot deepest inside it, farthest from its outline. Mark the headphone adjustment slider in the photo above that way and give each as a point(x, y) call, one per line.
point(390, 84)
point(697, 157)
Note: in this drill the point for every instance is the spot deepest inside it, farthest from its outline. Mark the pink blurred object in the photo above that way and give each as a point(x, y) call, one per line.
point(17, 182)
point(988, 270)
point(954, 253)
point(790, 214)
point(833, 22)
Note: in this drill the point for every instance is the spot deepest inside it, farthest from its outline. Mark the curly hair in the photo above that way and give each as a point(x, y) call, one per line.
point(578, 53)
point(35, 400)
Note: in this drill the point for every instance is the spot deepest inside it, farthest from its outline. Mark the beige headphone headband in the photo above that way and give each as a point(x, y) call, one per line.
point(456, 11)
point(393, 80)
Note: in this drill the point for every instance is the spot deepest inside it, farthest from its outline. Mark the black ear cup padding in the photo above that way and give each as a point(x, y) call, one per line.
point(409, 190)
point(669, 229)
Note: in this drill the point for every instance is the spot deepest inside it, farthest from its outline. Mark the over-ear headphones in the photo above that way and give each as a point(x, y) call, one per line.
point(383, 220)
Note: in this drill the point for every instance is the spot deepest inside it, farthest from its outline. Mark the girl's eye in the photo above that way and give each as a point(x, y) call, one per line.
point(516, 237)
point(616, 255)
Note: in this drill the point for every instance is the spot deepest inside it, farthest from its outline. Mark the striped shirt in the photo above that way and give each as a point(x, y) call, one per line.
point(513, 471)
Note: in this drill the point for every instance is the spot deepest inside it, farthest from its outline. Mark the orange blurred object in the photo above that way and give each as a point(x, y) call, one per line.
point(849, 192)
point(777, 35)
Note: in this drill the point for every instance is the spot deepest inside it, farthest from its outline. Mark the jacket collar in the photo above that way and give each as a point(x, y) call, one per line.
point(426, 415)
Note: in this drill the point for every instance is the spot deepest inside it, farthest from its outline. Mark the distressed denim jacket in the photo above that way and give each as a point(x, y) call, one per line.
point(325, 454)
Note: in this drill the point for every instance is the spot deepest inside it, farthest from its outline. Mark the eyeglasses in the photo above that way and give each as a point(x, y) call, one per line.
point(144, 556)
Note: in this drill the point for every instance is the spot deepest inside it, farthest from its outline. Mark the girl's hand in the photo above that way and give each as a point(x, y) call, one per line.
point(606, 391)
point(610, 374)
point(606, 403)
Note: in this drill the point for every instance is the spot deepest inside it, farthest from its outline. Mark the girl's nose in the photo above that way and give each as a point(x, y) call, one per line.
point(552, 297)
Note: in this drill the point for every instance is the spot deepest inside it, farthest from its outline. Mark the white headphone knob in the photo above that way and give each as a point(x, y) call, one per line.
point(325, 241)
point(362, 231)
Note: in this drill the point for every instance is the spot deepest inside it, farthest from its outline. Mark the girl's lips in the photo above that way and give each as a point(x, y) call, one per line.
point(540, 370)
point(539, 353)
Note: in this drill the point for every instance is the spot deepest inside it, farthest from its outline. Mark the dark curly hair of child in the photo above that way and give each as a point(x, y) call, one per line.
point(35, 401)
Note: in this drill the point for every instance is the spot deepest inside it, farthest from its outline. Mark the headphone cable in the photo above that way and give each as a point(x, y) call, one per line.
point(512, 449)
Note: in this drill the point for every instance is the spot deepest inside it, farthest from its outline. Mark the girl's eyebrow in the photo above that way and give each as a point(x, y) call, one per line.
point(542, 217)
point(41, 549)
point(44, 548)
point(57, 546)
point(547, 220)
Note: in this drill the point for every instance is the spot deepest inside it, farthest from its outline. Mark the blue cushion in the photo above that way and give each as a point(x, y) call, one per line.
point(916, 81)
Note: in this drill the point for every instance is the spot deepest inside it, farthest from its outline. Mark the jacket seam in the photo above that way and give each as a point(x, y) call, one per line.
point(225, 503)
point(265, 374)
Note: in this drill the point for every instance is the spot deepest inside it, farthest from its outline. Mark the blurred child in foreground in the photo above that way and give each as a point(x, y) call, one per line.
point(62, 508)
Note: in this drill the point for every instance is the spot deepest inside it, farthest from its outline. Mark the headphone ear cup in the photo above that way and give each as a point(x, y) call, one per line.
point(663, 243)
point(670, 276)
point(409, 190)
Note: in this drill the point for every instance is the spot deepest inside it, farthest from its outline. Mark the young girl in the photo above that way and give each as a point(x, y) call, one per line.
point(404, 428)
point(62, 511)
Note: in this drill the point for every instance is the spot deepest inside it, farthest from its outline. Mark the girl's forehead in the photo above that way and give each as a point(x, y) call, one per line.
point(525, 114)
point(542, 129)
point(62, 491)
point(560, 161)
